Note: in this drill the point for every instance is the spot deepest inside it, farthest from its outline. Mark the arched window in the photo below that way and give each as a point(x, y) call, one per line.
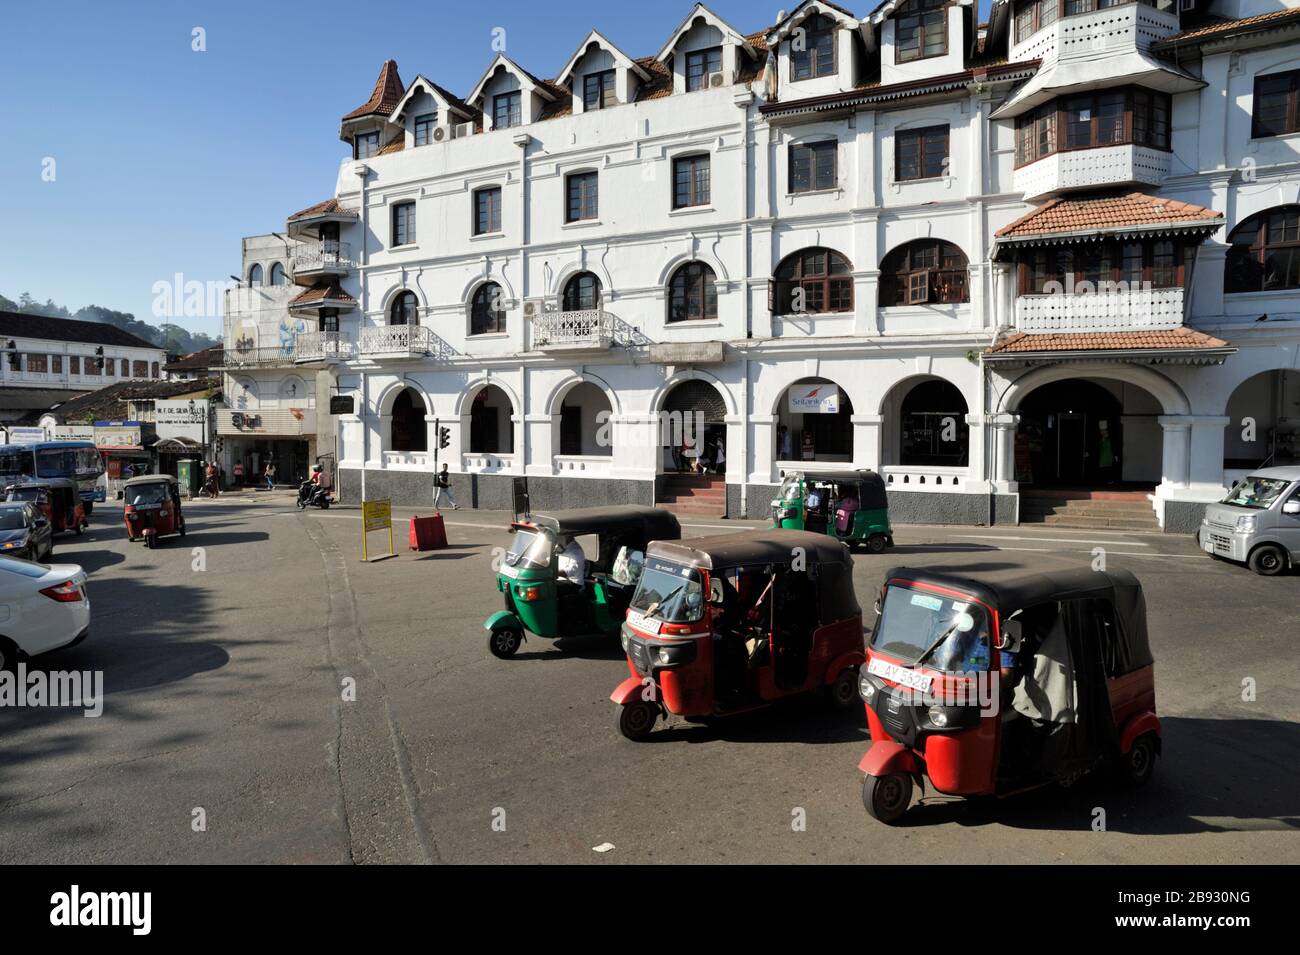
point(933, 429)
point(405, 310)
point(486, 312)
point(692, 296)
point(1265, 252)
point(811, 281)
point(582, 293)
point(277, 274)
point(409, 431)
point(924, 271)
point(817, 56)
point(255, 277)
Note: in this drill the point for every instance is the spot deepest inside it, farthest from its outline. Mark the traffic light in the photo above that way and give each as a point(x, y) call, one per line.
point(444, 437)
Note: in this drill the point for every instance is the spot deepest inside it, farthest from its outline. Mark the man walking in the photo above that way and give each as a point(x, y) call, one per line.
point(270, 475)
point(441, 486)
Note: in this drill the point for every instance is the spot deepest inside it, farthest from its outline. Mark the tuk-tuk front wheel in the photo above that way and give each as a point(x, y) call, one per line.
point(1140, 761)
point(1267, 560)
point(505, 643)
point(876, 543)
point(887, 797)
point(636, 720)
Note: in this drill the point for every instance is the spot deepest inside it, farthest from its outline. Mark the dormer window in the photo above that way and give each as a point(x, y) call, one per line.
point(700, 65)
point(367, 145)
point(598, 90)
point(812, 49)
point(424, 128)
point(921, 30)
point(507, 110)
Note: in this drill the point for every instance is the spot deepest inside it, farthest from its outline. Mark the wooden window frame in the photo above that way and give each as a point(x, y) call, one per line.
point(403, 226)
point(587, 186)
point(920, 135)
point(690, 193)
point(824, 286)
point(700, 78)
point(814, 62)
point(514, 111)
point(492, 196)
point(819, 148)
point(1259, 248)
point(424, 123)
point(1030, 279)
point(1291, 123)
point(569, 297)
point(404, 296)
point(367, 153)
point(921, 11)
point(606, 90)
point(1060, 10)
point(702, 281)
point(483, 319)
point(1156, 132)
point(905, 283)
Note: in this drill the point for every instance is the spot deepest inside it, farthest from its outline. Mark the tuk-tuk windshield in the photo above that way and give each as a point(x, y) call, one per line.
point(36, 495)
point(671, 592)
point(790, 488)
point(529, 549)
point(1256, 492)
point(939, 631)
point(145, 495)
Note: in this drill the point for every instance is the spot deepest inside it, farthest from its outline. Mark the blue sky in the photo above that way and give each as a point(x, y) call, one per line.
point(165, 157)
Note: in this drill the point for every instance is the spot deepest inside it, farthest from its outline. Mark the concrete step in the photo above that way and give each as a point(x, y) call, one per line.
point(696, 494)
point(1084, 508)
point(694, 509)
point(1092, 521)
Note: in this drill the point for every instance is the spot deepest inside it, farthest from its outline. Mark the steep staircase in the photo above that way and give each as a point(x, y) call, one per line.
point(694, 495)
point(1118, 510)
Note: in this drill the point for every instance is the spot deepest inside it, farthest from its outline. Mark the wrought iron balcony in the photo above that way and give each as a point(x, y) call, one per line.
point(328, 257)
point(323, 346)
point(402, 341)
point(589, 329)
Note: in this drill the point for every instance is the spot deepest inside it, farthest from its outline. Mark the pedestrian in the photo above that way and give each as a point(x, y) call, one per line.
point(214, 490)
point(441, 486)
point(239, 472)
point(720, 457)
point(270, 475)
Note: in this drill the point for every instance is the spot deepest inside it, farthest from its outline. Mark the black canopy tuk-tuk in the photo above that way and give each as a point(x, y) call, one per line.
point(59, 499)
point(851, 506)
point(553, 589)
point(152, 508)
point(995, 684)
point(722, 625)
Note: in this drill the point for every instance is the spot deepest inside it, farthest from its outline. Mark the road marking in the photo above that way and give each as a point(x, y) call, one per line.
point(1051, 540)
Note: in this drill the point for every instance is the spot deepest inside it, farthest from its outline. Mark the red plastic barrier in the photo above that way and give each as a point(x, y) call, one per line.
point(428, 533)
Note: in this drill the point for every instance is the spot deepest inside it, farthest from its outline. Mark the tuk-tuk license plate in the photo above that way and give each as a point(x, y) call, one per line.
point(900, 675)
point(642, 622)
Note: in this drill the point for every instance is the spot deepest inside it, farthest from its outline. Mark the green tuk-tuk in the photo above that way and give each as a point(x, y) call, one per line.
point(553, 589)
point(848, 505)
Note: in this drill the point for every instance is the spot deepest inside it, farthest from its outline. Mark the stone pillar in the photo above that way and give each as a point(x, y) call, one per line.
point(540, 429)
point(1175, 466)
point(866, 441)
point(381, 437)
point(1004, 452)
point(976, 482)
point(1205, 471)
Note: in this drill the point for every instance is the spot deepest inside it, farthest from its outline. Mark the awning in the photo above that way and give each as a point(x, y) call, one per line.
point(1173, 346)
point(177, 445)
point(1096, 72)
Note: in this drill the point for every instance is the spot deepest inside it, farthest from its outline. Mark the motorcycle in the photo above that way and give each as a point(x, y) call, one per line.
point(313, 495)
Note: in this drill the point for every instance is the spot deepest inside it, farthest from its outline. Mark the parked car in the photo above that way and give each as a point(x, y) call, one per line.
point(1258, 523)
point(24, 531)
point(42, 607)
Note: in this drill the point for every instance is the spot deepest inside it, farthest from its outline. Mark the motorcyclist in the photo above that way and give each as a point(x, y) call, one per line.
point(313, 487)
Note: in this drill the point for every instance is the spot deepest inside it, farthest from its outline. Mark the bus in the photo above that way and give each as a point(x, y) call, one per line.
point(78, 460)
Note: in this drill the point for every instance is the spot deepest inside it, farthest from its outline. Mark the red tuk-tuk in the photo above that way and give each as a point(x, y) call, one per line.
point(152, 508)
point(1001, 684)
point(58, 499)
point(724, 625)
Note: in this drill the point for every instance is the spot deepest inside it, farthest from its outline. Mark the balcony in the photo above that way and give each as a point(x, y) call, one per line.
point(233, 358)
point(323, 347)
point(1107, 311)
point(316, 260)
point(401, 341)
point(1098, 167)
point(1094, 33)
point(588, 330)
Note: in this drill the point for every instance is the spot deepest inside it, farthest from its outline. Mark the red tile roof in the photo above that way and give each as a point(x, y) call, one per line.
point(1223, 27)
point(326, 208)
point(1163, 339)
point(1109, 214)
point(209, 357)
point(319, 294)
point(386, 94)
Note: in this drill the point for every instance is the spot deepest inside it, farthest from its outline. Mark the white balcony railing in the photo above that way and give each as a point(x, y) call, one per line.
point(903, 477)
point(409, 341)
point(1092, 168)
point(1102, 311)
point(327, 256)
point(587, 329)
point(323, 346)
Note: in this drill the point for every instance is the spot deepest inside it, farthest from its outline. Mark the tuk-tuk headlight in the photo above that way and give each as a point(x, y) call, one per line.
point(675, 654)
point(938, 716)
point(866, 688)
point(1246, 524)
point(623, 638)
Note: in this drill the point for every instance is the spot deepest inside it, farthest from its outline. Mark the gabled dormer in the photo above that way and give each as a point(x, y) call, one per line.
point(508, 95)
point(817, 49)
point(600, 75)
point(920, 39)
point(427, 113)
point(366, 128)
point(705, 51)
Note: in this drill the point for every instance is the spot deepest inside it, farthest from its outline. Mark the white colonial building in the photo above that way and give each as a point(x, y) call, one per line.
point(1050, 257)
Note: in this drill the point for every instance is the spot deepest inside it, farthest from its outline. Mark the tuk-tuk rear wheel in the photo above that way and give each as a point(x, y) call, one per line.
point(504, 643)
point(887, 797)
point(1140, 761)
point(843, 691)
point(636, 720)
point(876, 543)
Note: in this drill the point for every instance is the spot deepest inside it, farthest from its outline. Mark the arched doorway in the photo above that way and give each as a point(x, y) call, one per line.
point(1263, 427)
point(692, 424)
point(1089, 433)
point(582, 422)
point(491, 430)
point(924, 422)
point(814, 422)
point(409, 431)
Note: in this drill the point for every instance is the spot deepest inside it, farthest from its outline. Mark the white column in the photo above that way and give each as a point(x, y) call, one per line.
point(1205, 473)
point(540, 431)
point(1004, 452)
point(380, 428)
point(1175, 460)
point(975, 482)
point(762, 464)
point(866, 441)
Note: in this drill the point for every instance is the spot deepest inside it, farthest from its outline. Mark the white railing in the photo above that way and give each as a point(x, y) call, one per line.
point(1133, 26)
point(1098, 166)
point(487, 462)
point(582, 465)
point(419, 460)
point(922, 478)
point(590, 328)
point(402, 340)
point(328, 256)
point(323, 346)
point(1102, 311)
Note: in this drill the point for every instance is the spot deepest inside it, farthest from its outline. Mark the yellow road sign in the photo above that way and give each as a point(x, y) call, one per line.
point(376, 516)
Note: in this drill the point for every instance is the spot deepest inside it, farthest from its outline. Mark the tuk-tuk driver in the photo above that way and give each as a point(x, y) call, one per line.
point(571, 565)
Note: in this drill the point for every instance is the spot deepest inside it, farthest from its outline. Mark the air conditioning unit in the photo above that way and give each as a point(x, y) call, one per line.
point(439, 134)
point(462, 129)
point(533, 307)
point(716, 80)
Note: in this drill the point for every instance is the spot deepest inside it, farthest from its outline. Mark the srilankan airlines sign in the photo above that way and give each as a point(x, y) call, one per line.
point(814, 399)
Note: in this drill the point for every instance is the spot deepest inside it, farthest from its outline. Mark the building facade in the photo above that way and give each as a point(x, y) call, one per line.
point(1056, 251)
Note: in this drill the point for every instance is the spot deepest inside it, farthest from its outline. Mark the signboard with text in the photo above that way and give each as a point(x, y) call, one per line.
point(117, 435)
point(376, 516)
point(814, 399)
point(26, 435)
point(74, 432)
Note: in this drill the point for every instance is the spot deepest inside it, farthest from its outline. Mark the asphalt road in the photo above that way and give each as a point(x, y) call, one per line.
point(225, 672)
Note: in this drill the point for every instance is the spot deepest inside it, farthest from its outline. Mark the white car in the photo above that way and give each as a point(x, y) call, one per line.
point(42, 607)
